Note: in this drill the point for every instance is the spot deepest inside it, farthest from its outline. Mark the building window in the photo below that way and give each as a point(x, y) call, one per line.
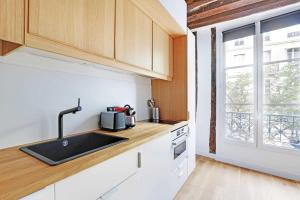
point(239, 42)
point(293, 34)
point(267, 38)
point(293, 53)
point(239, 59)
point(267, 56)
point(262, 92)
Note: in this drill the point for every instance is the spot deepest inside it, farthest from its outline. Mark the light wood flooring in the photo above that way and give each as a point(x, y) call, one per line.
point(214, 180)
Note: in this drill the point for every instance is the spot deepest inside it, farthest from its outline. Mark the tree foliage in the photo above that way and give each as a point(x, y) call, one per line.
point(282, 90)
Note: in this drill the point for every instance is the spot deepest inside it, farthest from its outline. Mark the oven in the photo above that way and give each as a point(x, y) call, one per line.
point(179, 142)
point(179, 157)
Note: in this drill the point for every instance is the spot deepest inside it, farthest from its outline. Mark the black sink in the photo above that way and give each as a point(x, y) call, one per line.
point(62, 150)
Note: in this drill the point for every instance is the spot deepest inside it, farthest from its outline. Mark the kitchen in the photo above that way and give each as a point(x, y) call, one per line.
point(106, 99)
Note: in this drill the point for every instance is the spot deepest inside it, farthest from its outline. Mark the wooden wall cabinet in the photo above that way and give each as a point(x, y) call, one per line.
point(162, 51)
point(122, 34)
point(171, 96)
point(87, 25)
point(12, 21)
point(133, 35)
point(11, 25)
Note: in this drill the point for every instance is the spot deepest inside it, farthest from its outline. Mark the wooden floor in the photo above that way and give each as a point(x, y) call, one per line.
point(214, 180)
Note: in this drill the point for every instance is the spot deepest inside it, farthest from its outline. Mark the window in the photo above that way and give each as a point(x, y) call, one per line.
point(267, 56)
point(262, 96)
point(293, 53)
point(239, 100)
point(293, 34)
point(267, 38)
point(239, 42)
point(239, 59)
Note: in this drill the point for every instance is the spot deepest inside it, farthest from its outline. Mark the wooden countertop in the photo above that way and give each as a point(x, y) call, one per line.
point(21, 174)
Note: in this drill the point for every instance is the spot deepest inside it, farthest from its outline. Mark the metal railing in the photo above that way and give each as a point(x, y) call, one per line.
point(277, 129)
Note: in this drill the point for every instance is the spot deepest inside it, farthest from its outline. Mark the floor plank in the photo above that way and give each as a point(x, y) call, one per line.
point(213, 180)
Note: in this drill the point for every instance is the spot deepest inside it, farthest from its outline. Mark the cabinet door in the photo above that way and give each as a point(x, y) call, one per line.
point(45, 194)
point(156, 169)
point(87, 25)
point(93, 182)
point(162, 51)
point(12, 20)
point(133, 35)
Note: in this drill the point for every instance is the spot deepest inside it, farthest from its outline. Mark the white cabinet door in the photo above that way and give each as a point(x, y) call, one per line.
point(156, 169)
point(45, 194)
point(93, 182)
point(191, 103)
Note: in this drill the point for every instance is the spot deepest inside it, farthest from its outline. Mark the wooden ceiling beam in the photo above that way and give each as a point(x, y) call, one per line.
point(211, 5)
point(239, 12)
point(223, 8)
point(195, 3)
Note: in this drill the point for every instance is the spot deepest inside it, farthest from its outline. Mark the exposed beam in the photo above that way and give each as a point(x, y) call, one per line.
point(212, 5)
point(240, 12)
point(230, 5)
point(195, 3)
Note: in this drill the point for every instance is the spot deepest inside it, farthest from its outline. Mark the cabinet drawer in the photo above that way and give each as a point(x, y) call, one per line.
point(179, 176)
point(91, 183)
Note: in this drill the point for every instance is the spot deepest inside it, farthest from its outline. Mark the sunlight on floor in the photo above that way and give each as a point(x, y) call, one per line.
point(214, 180)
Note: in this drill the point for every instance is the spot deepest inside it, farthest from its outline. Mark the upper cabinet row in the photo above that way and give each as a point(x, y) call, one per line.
point(115, 33)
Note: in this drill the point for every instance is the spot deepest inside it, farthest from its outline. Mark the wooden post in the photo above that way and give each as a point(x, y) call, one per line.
point(212, 137)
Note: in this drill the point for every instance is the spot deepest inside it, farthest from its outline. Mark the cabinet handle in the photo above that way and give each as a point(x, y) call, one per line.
point(180, 174)
point(139, 159)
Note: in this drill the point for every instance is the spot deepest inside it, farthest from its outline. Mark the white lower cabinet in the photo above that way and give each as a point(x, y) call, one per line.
point(179, 176)
point(44, 194)
point(147, 172)
point(93, 182)
point(152, 180)
point(156, 169)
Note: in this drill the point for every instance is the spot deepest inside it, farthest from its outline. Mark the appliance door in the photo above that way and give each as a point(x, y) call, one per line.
point(180, 147)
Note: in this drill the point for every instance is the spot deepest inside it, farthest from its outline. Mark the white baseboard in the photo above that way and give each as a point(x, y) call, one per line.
point(206, 154)
point(279, 173)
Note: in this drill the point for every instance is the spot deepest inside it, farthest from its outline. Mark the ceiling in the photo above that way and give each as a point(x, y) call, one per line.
point(206, 12)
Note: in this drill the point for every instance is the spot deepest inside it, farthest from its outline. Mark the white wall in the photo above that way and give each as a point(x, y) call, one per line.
point(177, 10)
point(34, 89)
point(285, 164)
point(204, 88)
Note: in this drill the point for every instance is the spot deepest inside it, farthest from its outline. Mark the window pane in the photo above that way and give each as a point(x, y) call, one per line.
point(281, 99)
point(239, 105)
point(239, 55)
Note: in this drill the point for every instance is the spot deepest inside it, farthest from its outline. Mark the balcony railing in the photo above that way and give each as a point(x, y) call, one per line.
point(279, 130)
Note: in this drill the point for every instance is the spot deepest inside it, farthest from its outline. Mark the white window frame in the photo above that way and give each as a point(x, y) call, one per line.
point(222, 91)
point(258, 93)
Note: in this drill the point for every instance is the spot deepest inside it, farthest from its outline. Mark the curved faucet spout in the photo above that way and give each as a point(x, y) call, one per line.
point(61, 115)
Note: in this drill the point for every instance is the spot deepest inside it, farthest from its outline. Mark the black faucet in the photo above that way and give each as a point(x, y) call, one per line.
point(60, 118)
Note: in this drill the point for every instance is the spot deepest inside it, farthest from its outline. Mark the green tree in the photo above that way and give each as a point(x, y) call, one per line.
point(284, 89)
point(239, 92)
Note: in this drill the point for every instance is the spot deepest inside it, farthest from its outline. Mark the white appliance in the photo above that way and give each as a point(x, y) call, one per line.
point(179, 171)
